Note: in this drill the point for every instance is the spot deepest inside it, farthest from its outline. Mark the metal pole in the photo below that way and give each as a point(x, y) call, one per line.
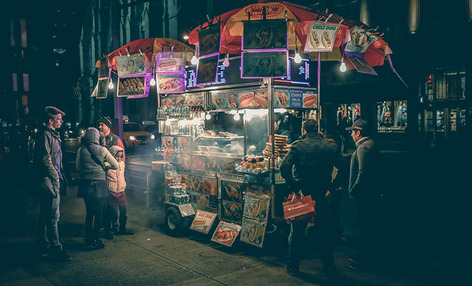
point(318, 76)
point(116, 11)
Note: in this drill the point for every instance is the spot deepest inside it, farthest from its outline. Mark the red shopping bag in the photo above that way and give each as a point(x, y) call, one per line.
point(299, 208)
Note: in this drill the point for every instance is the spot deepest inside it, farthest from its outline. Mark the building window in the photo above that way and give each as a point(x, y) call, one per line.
point(23, 33)
point(25, 82)
point(392, 116)
point(15, 82)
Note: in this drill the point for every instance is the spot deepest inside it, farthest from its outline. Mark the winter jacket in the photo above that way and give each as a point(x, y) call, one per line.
point(364, 170)
point(112, 140)
point(46, 152)
point(116, 178)
point(309, 166)
point(89, 169)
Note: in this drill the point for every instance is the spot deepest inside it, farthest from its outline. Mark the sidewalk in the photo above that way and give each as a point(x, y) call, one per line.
point(152, 257)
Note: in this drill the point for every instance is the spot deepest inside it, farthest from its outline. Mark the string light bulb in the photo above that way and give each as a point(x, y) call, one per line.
point(194, 60)
point(226, 61)
point(298, 58)
point(152, 82)
point(111, 85)
point(236, 117)
point(208, 116)
point(342, 67)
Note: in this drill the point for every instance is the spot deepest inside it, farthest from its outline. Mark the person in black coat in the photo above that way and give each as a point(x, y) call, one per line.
point(308, 167)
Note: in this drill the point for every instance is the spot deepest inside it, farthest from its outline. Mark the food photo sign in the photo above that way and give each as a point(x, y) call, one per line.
point(170, 83)
point(134, 85)
point(256, 206)
point(130, 65)
point(209, 54)
point(286, 98)
point(226, 233)
point(253, 232)
point(360, 64)
point(321, 37)
point(203, 221)
point(264, 64)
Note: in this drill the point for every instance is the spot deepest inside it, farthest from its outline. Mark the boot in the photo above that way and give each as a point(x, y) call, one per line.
point(115, 228)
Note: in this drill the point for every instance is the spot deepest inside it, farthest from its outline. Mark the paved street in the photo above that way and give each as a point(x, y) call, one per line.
point(153, 257)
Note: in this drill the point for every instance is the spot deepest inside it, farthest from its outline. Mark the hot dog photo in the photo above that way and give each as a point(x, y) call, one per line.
point(261, 99)
point(246, 99)
point(281, 98)
point(309, 100)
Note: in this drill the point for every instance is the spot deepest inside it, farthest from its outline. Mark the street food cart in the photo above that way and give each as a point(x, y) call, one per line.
point(222, 150)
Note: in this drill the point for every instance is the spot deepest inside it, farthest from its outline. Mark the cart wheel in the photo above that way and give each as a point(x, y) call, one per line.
point(173, 220)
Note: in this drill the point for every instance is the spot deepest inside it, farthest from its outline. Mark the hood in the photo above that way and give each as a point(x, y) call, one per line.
point(115, 149)
point(91, 136)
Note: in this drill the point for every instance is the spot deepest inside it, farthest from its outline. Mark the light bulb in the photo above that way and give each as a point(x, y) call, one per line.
point(298, 58)
point(342, 67)
point(111, 85)
point(185, 37)
point(226, 61)
point(194, 60)
point(152, 82)
point(236, 117)
point(208, 116)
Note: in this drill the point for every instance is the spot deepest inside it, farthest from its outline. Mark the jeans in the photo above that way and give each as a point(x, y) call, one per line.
point(323, 222)
point(48, 233)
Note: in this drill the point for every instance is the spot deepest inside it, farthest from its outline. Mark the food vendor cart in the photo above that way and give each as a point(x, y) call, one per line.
point(222, 143)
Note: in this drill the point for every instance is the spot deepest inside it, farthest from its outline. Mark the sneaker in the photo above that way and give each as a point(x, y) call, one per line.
point(125, 232)
point(115, 228)
point(61, 257)
point(98, 244)
point(292, 270)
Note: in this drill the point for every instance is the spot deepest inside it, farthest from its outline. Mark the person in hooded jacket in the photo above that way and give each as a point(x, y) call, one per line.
point(49, 177)
point(90, 162)
point(116, 199)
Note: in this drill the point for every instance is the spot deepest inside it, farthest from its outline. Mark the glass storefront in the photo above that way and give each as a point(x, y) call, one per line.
point(392, 116)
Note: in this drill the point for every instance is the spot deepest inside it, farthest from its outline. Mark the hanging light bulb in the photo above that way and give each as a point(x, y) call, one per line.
point(226, 61)
point(208, 116)
point(111, 85)
point(298, 58)
point(236, 116)
point(342, 67)
point(194, 60)
point(152, 82)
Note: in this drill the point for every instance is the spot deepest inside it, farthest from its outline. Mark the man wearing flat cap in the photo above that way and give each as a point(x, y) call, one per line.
point(364, 188)
point(107, 138)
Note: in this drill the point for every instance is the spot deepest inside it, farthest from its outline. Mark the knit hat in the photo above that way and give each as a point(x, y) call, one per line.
point(105, 120)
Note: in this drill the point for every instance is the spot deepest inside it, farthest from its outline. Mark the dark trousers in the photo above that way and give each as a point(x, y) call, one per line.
point(111, 217)
point(366, 217)
point(94, 217)
point(48, 233)
point(323, 223)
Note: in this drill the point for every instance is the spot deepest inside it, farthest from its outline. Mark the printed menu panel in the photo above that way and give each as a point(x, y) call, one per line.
point(232, 211)
point(256, 206)
point(253, 232)
point(203, 221)
point(226, 233)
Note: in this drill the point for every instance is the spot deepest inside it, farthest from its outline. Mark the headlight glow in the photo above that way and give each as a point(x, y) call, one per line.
point(132, 138)
point(153, 137)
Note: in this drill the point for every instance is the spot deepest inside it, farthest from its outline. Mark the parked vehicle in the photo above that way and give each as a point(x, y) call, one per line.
point(134, 135)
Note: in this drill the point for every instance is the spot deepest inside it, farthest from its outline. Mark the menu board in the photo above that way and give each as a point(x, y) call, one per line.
point(209, 41)
point(231, 191)
point(203, 221)
point(321, 37)
point(170, 62)
point(253, 232)
point(232, 211)
point(132, 86)
point(286, 98)
point(256, 206)
point(206, 69)
point(226, 233)
point(170, 83)
point(267, 35)
point(129, 65)
point(102, 88)
point(264, 64)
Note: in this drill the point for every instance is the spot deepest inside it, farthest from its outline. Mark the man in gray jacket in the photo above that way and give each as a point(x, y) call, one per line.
point(364, 189)
point(49, 176)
